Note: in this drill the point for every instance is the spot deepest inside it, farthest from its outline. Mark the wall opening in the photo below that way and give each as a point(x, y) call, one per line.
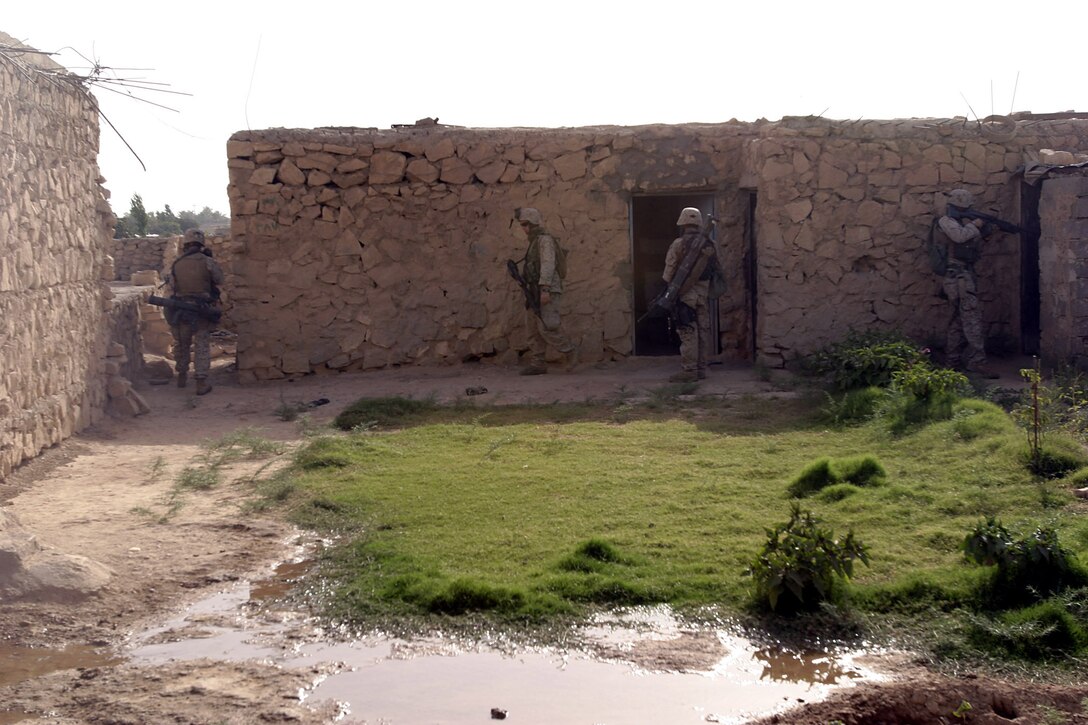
point(1030, 301)
point(749, 263)
point(653, 227)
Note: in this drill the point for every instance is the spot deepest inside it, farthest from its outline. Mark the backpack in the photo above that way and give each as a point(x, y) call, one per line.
point(938, 250)
point(560, 259)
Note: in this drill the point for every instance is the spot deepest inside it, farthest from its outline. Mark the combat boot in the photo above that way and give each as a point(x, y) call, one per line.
point(572, 360)
point(183, 378)
point(684, 376)
point(203, 387)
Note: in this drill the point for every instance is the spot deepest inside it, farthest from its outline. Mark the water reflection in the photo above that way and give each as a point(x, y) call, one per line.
point(18, 664)
point(815, 667)
point(637, 667)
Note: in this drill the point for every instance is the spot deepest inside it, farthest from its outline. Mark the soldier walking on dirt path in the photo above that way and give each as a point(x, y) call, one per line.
point(543, 270)
point(194, 278)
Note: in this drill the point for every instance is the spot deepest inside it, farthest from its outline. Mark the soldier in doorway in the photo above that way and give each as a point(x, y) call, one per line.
point(194, 278)
point(963, 237)
point(692, 254)
point(543, 270)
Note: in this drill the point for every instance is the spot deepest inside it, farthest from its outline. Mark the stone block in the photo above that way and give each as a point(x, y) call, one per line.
point(387, 167)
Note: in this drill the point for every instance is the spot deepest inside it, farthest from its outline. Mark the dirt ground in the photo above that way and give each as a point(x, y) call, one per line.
point(106, 495)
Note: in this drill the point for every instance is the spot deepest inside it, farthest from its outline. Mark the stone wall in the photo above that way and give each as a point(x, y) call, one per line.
point(54, 227)
point(141, 253)
point(1063, 269)
point(361, 249)
point(364, 248)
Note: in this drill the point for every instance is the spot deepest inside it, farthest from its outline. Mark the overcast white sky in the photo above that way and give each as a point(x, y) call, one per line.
point(254, 65)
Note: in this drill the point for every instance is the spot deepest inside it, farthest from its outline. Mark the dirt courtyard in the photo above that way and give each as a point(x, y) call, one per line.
point(106, 495)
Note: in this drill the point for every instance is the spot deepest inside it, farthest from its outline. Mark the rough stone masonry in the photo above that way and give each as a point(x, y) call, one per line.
point(55, 224)
point(365, 248)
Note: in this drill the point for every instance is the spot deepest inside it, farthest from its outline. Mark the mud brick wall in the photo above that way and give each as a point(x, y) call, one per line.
point(360, 249)
point(141, 253)
point(363, 248)
point(54, 228)
point(1063, 269)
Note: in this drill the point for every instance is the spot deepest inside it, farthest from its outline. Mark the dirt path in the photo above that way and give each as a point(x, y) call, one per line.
point(109, 494)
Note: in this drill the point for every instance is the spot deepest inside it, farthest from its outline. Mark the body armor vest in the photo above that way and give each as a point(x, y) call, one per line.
point(191, 277)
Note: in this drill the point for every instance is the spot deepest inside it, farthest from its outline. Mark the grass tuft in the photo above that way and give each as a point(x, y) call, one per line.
point(385, 412)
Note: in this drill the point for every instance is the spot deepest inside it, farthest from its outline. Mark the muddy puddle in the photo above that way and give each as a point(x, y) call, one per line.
point(640, 666)
point(18, 664)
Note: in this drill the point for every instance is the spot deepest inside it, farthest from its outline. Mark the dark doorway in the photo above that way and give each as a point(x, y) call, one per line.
point(653, 227)
point(749, 265)
point(1029, 269)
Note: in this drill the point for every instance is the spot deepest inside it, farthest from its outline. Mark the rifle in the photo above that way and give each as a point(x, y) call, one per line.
point(666, 301)
point(990, 221)
point(208, 312)
point(532, 296)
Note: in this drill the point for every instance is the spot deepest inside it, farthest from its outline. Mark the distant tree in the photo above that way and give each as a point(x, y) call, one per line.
point(121, 230)
point(137, 216)
point(164, 223)
point(207, 216)
point(139, 222)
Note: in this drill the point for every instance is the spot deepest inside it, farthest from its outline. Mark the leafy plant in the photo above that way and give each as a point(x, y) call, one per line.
point(802, 562)
point(922, 381)
point(1028, 569)
point(1032, 415)
point(960, 713)
point(865, 359)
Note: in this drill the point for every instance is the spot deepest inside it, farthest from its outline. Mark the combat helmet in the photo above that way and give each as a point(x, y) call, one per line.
point(690, 216)
point(193, 237)
point(528, 214)
point(961, 198)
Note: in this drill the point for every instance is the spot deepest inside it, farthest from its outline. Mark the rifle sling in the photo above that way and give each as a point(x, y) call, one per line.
point(697, 266)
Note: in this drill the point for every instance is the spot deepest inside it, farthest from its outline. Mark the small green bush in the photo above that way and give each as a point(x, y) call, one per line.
point(923, 382)
point(865, 359)
point(920, 393)
point(803, 564)
point(1027, 569)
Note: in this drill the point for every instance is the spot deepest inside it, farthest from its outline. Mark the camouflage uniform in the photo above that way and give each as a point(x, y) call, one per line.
point(695, 337)
point(964, 241)
point(541, 272)
point(195, 277)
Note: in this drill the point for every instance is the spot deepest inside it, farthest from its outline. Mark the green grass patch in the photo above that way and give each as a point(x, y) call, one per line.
point(542, 511)
point(840, 473)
